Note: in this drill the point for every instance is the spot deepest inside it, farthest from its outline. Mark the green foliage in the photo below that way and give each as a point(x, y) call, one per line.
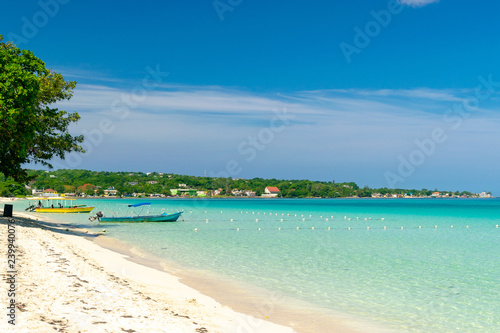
point(92, 182)
point(32, 131)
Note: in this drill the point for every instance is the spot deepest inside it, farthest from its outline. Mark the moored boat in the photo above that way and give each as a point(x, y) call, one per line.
point(164, 217)
point(58, 205)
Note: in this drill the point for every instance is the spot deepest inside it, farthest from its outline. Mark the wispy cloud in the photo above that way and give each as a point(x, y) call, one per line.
point(417, 3)
point(333, 131)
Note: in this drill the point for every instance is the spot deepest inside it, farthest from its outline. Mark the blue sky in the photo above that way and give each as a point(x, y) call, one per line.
point(383, 93)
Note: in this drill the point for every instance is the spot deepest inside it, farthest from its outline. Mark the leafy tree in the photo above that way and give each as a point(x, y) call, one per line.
point(32, 131)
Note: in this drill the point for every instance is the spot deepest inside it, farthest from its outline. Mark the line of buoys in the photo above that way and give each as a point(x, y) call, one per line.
point(348, 228)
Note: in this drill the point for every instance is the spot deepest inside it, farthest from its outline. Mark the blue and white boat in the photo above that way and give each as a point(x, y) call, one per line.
point(164, 217)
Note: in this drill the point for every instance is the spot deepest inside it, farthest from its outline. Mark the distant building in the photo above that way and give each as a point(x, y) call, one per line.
point(183, 192)
point(110, 192)
point(271, 192)
point(36, 192)
point(133, 183)
point(50, 193)
point(152, 182)
point(235, 192)
point(250, 193)
point(435, 194)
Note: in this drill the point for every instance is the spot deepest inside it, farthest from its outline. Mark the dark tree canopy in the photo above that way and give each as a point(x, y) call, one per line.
point(31, 130)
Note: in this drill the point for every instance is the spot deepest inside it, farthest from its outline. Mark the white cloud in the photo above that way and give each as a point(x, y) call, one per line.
point(188, 129)
point(417, 3)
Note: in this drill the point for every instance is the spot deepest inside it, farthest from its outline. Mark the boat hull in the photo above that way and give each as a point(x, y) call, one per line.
point(152, 218)
point(65, 210)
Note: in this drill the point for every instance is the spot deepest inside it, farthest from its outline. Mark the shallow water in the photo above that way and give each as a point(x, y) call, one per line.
point(415, 265)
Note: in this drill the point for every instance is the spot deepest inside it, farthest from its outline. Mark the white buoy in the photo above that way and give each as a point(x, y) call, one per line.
point(328, 228)
point(385, 227)
point(349, 228)
point(420, 227)
point(345, 217)
point(435, 226)
point(281, 220)
point(237, 229)
point(297, 228)
point(259, 229)
point(326, 220)
point(331, 216)
point(303, 219)
point(206, 220)
point(383, 219)
point(451, 226)
point(368, 228)
point(256, 220)
point(467, 226)
point(195, 229)
point(401, 228)
point(231, 220)
point(279, 228)
point(312, 228)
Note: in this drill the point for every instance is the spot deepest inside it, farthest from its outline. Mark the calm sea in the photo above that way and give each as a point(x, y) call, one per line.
point(415, 265)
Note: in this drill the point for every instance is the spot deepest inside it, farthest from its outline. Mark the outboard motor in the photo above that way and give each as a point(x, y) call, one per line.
point(97, 217)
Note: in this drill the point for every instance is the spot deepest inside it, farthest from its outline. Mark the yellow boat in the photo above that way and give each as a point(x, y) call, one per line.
point(58, 205)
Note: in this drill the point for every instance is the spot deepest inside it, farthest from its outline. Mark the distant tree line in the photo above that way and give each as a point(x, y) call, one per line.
point(126, 183)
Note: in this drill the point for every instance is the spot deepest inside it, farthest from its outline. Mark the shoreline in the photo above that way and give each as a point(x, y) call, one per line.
point(205, 297)
point(67, 282)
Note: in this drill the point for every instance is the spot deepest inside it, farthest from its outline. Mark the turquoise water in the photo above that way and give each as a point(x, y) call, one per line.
point(415, 265)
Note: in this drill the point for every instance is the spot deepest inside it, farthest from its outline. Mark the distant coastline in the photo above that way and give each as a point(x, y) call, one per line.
point(87, 183)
